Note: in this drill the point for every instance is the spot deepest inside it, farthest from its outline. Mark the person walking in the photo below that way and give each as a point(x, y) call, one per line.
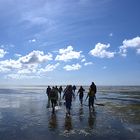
point(53, 97)
point(81, 94)
point(68, 94)
point(48, 90)
point(60, 91)
point(91, 95)
point(74, 88)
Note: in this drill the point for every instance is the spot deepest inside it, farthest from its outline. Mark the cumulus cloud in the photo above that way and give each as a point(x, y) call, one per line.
point(131, 43)
point(68, 54)
point(72, 67)
point(17, 66)
point(28, 69)
point(28, 64)
point(35, 57)
point(4, 70)
point(48, 68)
point(10, 64)
point(101, 52)
point(2, 53)
point(88, 63)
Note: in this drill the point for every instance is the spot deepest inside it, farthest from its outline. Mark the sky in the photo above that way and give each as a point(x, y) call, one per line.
point(59, 42)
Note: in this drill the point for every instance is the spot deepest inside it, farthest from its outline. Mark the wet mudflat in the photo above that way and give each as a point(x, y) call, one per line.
point(24, 116)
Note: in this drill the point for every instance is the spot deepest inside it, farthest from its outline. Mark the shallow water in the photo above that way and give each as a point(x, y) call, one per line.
point(24, 115)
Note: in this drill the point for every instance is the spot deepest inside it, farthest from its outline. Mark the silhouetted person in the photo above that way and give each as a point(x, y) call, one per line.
point(74, 88)
point(81, 94)
point(68, 94)
point(48, 90)
point(53, 97)
point(60, 90)
point(91, 95)
point(93, 87)
point(57, 92)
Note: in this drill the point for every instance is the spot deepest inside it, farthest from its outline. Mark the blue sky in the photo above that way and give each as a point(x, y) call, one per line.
point(70, 42)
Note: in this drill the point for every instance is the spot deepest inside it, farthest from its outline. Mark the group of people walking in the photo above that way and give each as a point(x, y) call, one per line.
point(54, 94)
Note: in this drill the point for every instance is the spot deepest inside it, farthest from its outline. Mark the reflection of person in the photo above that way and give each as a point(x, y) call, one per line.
point(81, 114)
point(68, 123)
point(91, 119)
point(53, 122)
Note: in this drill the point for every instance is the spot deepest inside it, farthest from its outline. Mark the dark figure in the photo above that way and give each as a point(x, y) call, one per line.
point(91, 95)
point(60, 90)
point(48, 90)
point(74, 88)
point(81, 94)
point(56, 89)
point(68, 94)
point(53, 97)
point(93, 87)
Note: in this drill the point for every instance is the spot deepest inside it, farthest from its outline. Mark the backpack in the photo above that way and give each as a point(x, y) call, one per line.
point(91, 93)
point(53, 94)
point(68, 95)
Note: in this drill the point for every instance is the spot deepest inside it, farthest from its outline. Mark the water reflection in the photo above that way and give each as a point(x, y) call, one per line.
point(81, 112)
point(53, 122)
point(68, 123)
point(91, 119)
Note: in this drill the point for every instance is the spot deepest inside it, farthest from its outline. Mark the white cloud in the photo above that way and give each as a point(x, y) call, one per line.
point(48, 68)
point(2, 53)
point(26, 71)
point(88, 63)
point(17, 55)
point(16, 66)
point(135, 42)
point(131, 43)
point(10, 64)
point(83, 60)
point(72, 67)
point(32, 40)
point(35, 57)
point(4, 70)
point(68, 54)
point(28, 64)
point(100, 51)
point(138, 51)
